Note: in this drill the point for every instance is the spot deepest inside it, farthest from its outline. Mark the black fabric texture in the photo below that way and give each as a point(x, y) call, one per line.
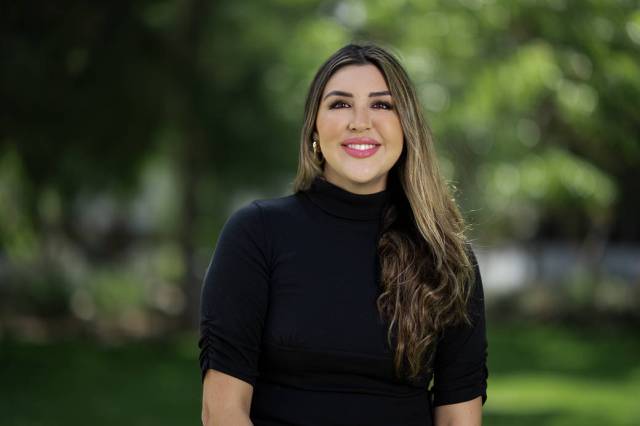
point(288, 305)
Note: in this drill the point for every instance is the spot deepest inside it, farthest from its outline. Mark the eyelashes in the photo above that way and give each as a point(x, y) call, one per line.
point(377, 105)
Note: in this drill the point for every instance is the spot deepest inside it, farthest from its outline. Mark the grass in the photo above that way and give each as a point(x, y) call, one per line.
point(79, 383)
point(538, 375)
point(562, 375)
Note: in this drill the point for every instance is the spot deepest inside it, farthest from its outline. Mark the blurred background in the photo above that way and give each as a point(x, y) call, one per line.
point(130, 130)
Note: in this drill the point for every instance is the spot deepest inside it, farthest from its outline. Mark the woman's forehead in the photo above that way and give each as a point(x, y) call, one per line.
point(357, 78)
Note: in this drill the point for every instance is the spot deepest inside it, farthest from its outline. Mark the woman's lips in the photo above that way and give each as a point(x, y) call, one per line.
point(355, 147)
point(361, 153)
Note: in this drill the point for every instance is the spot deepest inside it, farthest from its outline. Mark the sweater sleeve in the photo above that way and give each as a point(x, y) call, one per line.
point(234, 297)
point(460, 368)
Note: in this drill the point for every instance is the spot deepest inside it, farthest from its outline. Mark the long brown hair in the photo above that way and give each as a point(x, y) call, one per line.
point(426, 269)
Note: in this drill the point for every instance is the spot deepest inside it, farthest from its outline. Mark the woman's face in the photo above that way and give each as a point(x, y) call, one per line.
point(358, 129)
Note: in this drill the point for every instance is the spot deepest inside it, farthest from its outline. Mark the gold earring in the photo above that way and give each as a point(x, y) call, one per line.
point(316, 150)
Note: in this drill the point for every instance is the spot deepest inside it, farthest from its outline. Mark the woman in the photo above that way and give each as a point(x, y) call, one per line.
point(339, 303)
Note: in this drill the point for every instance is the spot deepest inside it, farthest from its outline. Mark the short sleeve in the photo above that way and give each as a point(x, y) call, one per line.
point(460, 366)
point(234, 297)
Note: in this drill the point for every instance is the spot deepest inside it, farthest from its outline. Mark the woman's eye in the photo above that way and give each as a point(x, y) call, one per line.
point(337, 104)
point(383, 105)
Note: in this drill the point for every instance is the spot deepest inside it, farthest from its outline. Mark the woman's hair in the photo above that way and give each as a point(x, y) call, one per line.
point(426, 270)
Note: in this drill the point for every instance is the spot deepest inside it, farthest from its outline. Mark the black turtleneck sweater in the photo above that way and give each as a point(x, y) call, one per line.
point(289, 306)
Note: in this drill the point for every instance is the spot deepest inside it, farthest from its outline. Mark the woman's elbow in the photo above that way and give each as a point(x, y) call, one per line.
point(224, 416)
point(468, 413)
point(226, 400)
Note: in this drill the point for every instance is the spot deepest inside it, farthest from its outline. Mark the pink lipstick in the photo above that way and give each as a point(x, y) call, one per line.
point(360, 147)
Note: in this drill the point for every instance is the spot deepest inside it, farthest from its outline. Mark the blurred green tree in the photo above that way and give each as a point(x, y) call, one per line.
point(534, 105)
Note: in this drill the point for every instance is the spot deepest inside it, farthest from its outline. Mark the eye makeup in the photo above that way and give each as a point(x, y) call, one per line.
point(338, 104)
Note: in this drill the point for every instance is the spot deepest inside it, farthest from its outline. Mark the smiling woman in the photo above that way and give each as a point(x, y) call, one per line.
point(355, 124)
point(339, 303)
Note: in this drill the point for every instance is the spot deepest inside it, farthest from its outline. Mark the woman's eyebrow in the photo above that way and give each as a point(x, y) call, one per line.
point(350, 95)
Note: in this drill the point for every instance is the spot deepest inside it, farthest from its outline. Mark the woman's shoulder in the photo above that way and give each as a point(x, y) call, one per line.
point(257, 224)
point(275, 205)
point(264, 212)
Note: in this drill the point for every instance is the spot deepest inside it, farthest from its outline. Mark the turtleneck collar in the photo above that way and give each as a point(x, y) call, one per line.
point(342, 203)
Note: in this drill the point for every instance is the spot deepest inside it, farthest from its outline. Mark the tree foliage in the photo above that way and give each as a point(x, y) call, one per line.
point(534, 105)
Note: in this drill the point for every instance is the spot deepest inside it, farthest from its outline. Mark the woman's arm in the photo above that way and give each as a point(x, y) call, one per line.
point(226, 400)
point(468, 413)
point(460, 367)
point(234, 300)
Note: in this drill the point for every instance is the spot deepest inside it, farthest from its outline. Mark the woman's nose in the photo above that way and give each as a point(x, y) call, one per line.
point(361, 119)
